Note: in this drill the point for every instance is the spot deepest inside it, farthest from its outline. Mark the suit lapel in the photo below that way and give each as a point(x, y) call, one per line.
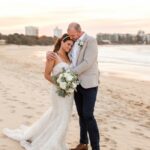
point(84, 46)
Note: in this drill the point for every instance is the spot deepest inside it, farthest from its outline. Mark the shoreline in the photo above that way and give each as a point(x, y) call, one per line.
point(37, 53)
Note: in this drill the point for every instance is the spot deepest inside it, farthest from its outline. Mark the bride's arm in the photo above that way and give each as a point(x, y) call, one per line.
point(48, 69)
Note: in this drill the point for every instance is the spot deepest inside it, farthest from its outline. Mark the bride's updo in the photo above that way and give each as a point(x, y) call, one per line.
point(64, 38)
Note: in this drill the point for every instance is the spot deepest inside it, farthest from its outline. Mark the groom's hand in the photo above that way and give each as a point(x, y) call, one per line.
point(50, 56)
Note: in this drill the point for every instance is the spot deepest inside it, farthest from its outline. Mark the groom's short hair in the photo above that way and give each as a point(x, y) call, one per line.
point(74, 25)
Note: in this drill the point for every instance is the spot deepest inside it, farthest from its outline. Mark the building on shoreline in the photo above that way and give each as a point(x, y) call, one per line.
point(57, 32)
point(31, 31)
point(118, 38)
point(148, 38)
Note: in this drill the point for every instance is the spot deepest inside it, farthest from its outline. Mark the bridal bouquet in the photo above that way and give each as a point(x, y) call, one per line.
point(66, 82)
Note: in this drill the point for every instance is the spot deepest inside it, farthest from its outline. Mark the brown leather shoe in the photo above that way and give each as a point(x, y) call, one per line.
point(81, 147)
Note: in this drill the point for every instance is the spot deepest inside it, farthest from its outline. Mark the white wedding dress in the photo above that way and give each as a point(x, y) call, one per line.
point(49, 132)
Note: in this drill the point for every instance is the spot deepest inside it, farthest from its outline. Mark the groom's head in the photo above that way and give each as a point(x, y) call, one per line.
point(74, 30)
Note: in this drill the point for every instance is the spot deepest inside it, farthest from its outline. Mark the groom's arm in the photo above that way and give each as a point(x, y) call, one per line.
point(90, 57)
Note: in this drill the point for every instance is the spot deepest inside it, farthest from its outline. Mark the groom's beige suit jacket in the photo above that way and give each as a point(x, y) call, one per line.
point(87, 64)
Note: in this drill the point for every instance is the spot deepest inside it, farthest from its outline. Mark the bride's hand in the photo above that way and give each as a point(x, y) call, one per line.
point(51, 55)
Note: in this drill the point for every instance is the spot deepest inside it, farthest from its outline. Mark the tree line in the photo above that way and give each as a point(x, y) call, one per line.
point(21, 39)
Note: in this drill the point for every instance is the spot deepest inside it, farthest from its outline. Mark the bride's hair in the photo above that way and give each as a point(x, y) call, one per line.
point(64, 38)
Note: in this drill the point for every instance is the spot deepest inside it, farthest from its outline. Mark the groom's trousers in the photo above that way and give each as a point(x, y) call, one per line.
point(85, 101)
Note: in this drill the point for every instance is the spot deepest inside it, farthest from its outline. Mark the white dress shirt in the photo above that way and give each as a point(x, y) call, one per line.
point(75, 50)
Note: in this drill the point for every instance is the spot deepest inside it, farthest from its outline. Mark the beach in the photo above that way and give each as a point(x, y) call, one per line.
point(122, 109)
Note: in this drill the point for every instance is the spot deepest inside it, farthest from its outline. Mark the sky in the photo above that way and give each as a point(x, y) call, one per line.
point(105, 16)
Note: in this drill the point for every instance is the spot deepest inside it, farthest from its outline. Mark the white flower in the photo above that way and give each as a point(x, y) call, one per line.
point(70, 90)
point(59, 78)
point(69, 77)
point(65, 74)
point(81, 43)
point(63, 85)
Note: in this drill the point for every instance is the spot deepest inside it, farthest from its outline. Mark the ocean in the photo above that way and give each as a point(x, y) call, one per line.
point(129, 61)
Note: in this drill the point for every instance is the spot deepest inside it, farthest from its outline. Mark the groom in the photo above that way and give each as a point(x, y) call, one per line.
point(84, 62)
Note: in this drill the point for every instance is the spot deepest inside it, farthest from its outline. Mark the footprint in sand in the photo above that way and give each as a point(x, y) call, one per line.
point(28, 107)
point(39, 113)
point(105, 129)
point(139, 104)
point(3, 145)
point(116, 96)
point(109, 90)
point(5, 93)
point(24, 103)
point(103, 146)
point(107, 116)
point(4, 136)
point(12, 106)
point(114, 127)
point(147, 124)
point(137, 133)
point(148, 107)
point(147, 137)
point(121, 124)
point(23, 92)
point(15, 100)
point(9, 99)
point(27, 116)
point(12, 111)
point(137, 148)
point(137, 129)
point(106, 139)
point(27, 123)
point(14, 97)
point(4, 102)
point(114, 142)
point(132, 94)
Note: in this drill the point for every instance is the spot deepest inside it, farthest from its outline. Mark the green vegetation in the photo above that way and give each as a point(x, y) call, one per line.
point(21, 39)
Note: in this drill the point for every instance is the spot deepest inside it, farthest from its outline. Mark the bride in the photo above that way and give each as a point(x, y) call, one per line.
point(49, 132)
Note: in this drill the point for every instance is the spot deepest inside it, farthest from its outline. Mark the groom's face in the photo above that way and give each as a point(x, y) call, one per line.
point(74, 35)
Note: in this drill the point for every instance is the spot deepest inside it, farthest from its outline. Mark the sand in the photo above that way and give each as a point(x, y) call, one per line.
point(122, 108)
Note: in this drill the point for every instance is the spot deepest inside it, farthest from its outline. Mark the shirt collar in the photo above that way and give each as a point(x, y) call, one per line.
point(81, 37)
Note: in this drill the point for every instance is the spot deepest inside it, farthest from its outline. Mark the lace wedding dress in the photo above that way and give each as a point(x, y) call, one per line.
point(49, 132)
